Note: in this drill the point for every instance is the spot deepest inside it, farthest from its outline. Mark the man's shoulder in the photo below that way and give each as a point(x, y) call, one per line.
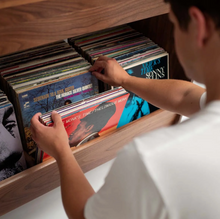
point(162, 139)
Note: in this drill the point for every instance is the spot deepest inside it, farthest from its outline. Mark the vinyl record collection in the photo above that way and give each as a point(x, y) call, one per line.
point(42, 79)
point(136, 53)
point(56, 77)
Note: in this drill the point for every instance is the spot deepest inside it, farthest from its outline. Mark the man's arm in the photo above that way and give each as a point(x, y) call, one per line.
point(178, 96)
point(54, 141)
point(75, 188)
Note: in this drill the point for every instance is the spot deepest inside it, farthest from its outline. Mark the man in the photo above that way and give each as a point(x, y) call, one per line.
point(172, 172)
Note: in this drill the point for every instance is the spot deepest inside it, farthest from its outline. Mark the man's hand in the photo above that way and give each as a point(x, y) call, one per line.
point(113, 75)
point(75, 188)
point(52, 140)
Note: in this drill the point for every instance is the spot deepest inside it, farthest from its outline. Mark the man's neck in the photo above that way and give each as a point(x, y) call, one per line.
point(212, 83)
point(210, 68)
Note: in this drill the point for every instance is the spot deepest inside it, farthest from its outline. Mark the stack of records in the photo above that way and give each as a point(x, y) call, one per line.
point(12, 158)
point(3, 99)
point(42, 79)
point(91, 117)
point(136, 53)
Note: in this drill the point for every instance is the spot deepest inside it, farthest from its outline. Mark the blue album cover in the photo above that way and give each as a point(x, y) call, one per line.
point(136, 107)
point(51, 96)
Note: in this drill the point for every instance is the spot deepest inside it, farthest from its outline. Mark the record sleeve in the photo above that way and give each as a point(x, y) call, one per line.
point(90, 122)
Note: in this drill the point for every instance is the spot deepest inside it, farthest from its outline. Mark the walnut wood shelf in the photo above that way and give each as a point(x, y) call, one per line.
point(29, 23)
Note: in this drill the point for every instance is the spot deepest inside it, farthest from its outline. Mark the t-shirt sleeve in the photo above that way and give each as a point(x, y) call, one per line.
point(202, 100)
point(128, 192)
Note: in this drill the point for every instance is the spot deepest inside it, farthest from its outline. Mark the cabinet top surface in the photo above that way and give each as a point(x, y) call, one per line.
point(25, 24)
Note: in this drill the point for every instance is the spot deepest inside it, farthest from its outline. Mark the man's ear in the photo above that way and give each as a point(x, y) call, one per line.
point(202, 24)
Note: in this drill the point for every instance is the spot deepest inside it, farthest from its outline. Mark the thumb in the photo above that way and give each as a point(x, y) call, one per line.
point(99, 75)
point(98, 65)
point(56, 118)
point(35, 120)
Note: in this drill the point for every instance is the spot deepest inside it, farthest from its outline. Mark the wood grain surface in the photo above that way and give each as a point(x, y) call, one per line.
point(40, 22)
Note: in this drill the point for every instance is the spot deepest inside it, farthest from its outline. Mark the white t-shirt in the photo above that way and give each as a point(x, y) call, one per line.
point(202, 101)
point(172, 172)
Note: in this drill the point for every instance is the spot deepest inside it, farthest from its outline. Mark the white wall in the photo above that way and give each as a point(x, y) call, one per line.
point(49, 205)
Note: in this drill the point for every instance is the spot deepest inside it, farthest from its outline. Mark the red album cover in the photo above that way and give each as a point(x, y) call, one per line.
point(90, 123)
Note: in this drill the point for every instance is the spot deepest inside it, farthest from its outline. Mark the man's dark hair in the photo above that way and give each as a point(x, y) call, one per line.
point(100, 115)
point(208, 7)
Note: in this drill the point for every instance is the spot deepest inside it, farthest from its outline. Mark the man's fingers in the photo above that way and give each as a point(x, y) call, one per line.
point(99, 76)
point(98, 65)
point(56, 119)
point(35, 120)
point(35, 125)
point(103, 58)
